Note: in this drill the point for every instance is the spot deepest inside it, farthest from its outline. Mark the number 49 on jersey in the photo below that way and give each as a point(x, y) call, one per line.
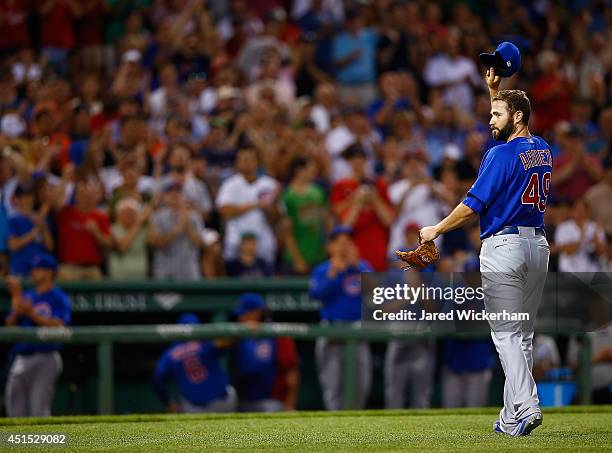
point(534, 194)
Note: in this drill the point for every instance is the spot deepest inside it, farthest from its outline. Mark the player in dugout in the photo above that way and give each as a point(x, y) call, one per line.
point(35, 367)
point(266, 370)
point(195, 366)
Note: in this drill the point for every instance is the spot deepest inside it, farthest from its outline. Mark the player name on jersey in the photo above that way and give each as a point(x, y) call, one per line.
point(536, 158)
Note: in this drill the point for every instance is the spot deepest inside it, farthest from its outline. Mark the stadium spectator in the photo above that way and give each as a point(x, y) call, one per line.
point(194, 190)
point(398, 93)
point(551, 93)
point(57, 33)
point(15, 36)
point(128, 181)
point(29, 232)
point(247, 203)
point(354, 54)
point(326, 106)
point(305, 226)
point(453, 73)
point(128, 258)
point(599, 196)
point(364, 205)
point(416, 198)
point(248, 263)
point(203, 384)
point(266, 371)
point(337, 284)
point(580, 240)
point(83, 234)
point(175, 235)
point(575, 170)
point(213, 265)
point(35, 367)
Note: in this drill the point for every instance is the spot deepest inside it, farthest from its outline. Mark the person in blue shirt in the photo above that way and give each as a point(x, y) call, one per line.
point(28, 232)
point(35, 367)
point(195, 367)
point(354, 56)
point(266, 371)
point(510, 195)
point(337, 284)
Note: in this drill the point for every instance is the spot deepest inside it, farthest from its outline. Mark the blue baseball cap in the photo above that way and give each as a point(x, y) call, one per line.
point(188, 318)
point(44, 261)
point(340, 229)
point(249, 302)
point(506, 60)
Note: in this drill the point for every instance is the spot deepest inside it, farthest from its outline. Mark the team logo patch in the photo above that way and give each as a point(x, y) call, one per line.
point(43, 309)
point(263, 350)
point(352, 284)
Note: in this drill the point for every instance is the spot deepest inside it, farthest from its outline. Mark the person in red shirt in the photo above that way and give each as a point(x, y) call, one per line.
point(83, 233)
point(551, 94)
point(575, 170)
point(14, 25)
point(57, 34)
point(365, 206)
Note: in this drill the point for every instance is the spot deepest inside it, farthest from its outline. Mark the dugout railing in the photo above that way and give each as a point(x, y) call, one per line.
point(106, 336)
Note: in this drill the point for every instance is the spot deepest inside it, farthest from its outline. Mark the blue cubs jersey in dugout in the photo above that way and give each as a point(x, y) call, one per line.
point(341, 296)
point(54, 303)
point(255, 368)
point(512, 186)
point(195, 367)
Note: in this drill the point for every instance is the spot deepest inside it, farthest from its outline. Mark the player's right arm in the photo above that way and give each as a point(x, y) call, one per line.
point(493, 82)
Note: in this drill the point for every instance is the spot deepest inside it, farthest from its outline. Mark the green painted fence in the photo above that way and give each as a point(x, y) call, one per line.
point(285, 294)
point(106, 336)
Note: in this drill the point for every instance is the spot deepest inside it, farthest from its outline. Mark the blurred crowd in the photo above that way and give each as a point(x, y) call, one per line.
point(181, 139)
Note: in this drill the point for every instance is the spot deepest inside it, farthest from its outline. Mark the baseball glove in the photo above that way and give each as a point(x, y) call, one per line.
point(421, 257)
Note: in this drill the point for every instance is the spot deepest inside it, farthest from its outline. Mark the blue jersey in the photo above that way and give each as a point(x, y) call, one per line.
point(341, 296)
point(195, 367)
point(54, 303)
point(512, 185)
point(254, 364)
point(468, 356)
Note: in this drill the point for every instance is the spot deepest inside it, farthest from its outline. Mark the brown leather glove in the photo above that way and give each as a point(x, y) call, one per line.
point(424, 255)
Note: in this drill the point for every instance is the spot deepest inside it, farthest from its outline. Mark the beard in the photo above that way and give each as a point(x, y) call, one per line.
point(504, 133)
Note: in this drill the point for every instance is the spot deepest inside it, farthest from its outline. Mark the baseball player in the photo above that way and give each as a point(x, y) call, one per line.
point(510, 196)
point(266, 371)
point(35, 368)
point(337, 284)
point(195, 367)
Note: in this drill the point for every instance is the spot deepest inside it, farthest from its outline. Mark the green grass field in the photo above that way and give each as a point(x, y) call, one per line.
point(573, 429)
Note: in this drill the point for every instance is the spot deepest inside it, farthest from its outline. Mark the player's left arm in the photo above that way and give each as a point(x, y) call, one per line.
point(460, 216)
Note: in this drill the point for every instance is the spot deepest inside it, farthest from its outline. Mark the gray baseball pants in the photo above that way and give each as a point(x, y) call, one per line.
point(513, 269)
point(409, 362)
point(31, 384)
point(227, 404)
point(465, 389)
point(330, 358)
